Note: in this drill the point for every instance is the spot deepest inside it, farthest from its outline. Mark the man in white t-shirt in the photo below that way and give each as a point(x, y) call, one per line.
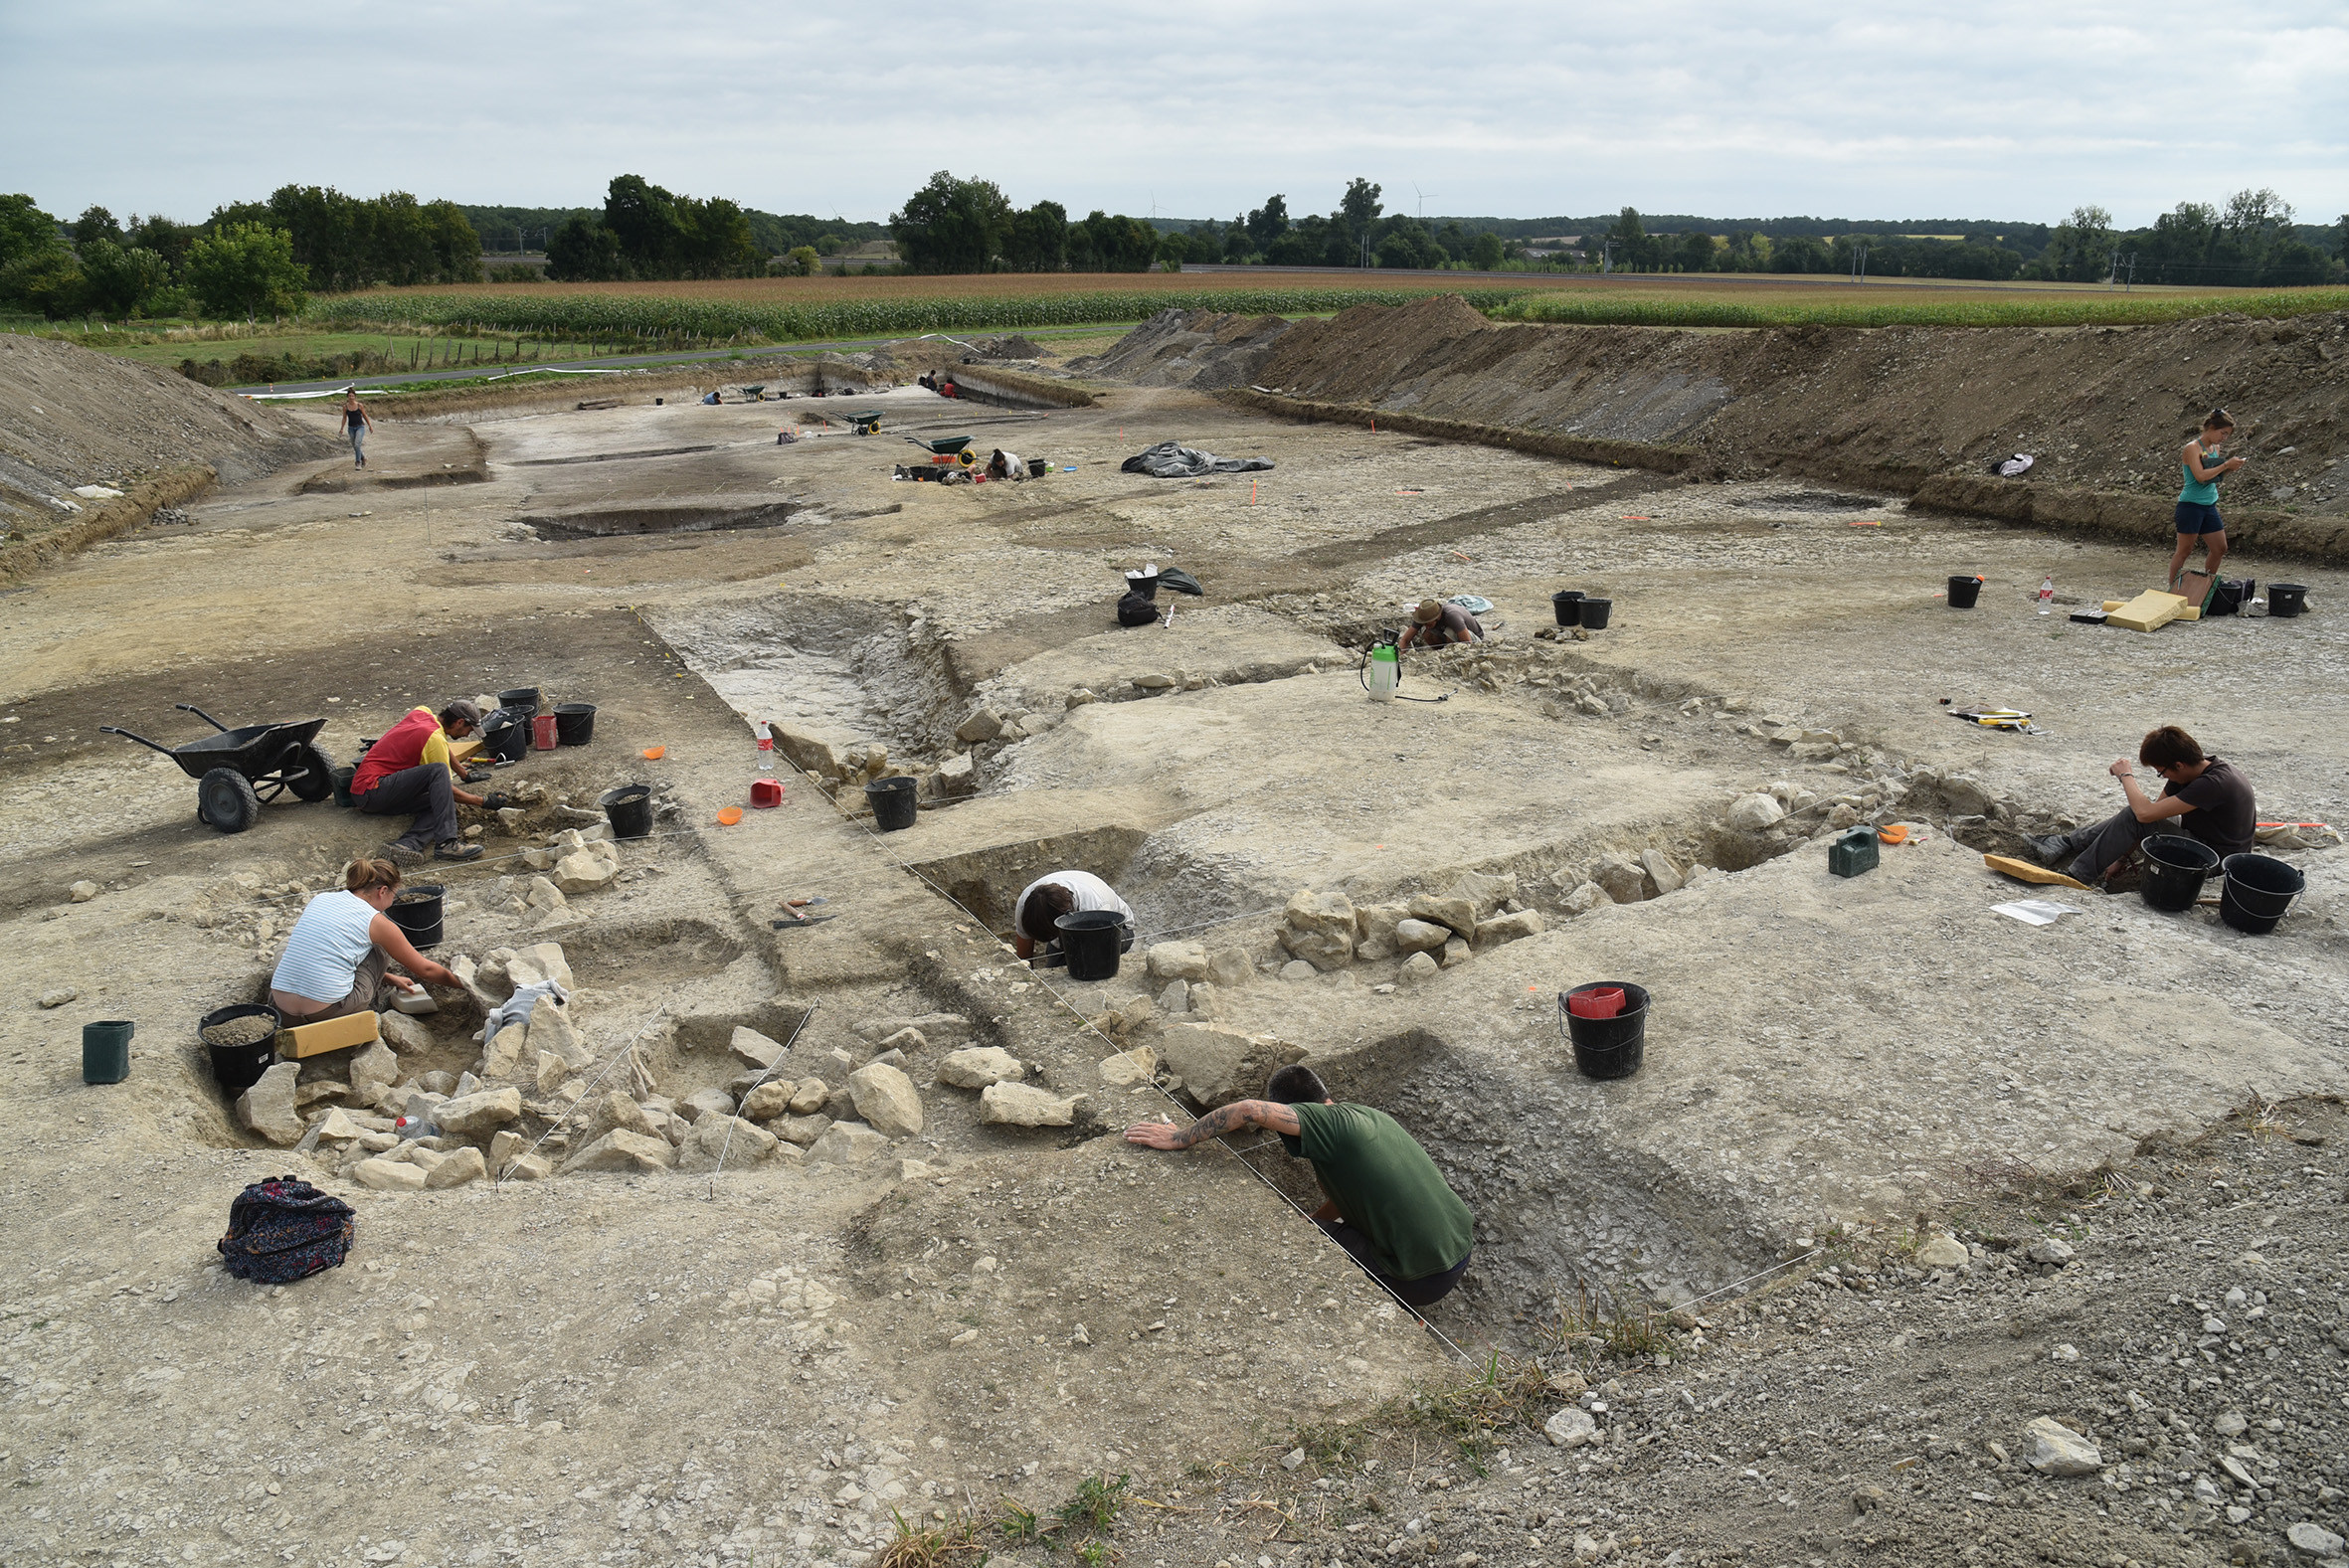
point(1060, 893)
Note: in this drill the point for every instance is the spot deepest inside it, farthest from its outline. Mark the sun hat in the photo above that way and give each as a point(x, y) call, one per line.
point(1429, 612)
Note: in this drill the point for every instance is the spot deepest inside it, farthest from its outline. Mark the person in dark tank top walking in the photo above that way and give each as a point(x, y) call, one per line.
point(356, 422)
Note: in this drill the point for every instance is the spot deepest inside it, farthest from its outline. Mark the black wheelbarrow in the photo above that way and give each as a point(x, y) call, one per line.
point(237, 770)
point(865, 424)
point(945, 446)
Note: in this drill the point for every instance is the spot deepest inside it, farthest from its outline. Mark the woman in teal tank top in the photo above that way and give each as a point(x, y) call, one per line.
point(2198, 501)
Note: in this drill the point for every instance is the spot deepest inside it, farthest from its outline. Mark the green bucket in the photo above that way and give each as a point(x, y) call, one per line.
point(106, 1050)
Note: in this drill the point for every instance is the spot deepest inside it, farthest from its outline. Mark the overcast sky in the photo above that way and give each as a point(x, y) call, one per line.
point(2007, 110)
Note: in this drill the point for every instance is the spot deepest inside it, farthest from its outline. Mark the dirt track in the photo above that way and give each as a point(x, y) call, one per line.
point(666, 1367)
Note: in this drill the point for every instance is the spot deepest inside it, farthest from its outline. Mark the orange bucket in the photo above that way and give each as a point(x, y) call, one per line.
point(1595, 1004)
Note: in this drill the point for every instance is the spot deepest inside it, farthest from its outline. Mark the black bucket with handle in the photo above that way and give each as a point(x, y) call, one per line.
point(1567, 607)
point(628, 809)
point(505, 735)
point(1606, 1047)
point(417, 911)
point(2175, 867)
point(1963, 591)
point(2286, 600)
point(574, 723)
point(522, 699)
point(238, 1065)
point(2257, 891)
point(1595, 612)
point(1090, 942)
point(893, 802)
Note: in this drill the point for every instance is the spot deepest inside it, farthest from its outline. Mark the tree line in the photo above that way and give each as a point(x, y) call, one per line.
point(249, 258)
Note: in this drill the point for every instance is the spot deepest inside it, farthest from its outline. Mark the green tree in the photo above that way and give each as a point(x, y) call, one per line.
point(643, 218)
point(1360, 206)
point(244, 269)
point(1626, 242)
point(803, 261)
point(24, 230)
point(1408, 244)
point(1038, 239)
point(95, 224)
point(2081, 251)
point(583, 251)
point(49, 281)
point(1801, 254)
point(160, 235)
point(952, 225)
point(1484, 252)
point(1112, 243)
point(1268, 222)
point(1695, 252)
point(120, 281)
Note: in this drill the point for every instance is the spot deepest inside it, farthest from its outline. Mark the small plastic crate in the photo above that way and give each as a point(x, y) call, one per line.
point(1851, 853)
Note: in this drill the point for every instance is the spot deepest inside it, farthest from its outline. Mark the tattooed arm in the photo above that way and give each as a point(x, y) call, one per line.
point(1215, 1124)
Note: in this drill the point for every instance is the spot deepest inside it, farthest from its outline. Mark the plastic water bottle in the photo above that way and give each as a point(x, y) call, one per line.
point(2047, 596)
point(416, 1126)
point(766, 746)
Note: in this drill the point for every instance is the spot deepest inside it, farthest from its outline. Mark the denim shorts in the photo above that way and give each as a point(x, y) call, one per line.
point(2195, 518)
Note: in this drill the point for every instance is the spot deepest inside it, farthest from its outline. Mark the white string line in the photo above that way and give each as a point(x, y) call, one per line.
point(622, 1055)
point(733, 1118)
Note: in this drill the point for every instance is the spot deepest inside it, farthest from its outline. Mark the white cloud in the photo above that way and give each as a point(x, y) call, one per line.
point(2004, 111)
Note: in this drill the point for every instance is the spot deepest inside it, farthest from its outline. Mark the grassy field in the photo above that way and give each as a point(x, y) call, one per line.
point(166, 347)
point(1876, 305)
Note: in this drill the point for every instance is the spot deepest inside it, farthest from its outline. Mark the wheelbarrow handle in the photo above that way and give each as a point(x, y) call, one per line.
point(189, 707)
point(108, 729)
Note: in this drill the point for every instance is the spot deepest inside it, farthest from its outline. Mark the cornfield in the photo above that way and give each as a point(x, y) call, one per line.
point(650, 316)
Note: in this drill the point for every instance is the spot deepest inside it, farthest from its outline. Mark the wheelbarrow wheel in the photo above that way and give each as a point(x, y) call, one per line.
point(315, 781)
point(225, 799)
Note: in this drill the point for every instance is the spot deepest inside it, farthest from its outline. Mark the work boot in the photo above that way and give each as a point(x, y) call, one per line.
point(402, 854)
point(2052, 850)
point(457, 849)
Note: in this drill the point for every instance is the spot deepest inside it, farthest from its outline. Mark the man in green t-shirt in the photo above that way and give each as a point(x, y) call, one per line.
point(1388, 1206)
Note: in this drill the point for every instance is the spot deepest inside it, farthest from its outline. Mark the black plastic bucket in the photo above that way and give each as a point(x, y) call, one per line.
point(1963, 591)
point(239, 1067)
point(1607, 1047)
point(628, 809)
point(417, 911)
point(2286, 600)
point(2175, 867)
point(523, 699)
point(1090, 942)
point(2257, 890)
point(574, 723)
point(1595, 612)
point(342, 784)
point(505, 735)
point(1567, 607)
point(892, 802)
point(106, 1050)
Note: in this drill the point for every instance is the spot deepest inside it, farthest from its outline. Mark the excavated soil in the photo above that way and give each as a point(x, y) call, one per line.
point(798, 1358)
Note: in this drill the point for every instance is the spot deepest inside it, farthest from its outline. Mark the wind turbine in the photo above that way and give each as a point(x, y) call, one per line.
point(1423, 195)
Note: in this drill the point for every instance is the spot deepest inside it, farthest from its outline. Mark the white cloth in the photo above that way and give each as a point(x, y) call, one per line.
point(323, 951)
point(1089, 891)
point(517, 1007)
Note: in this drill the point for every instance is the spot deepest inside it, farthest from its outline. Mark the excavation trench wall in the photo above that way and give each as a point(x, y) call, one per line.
point(1914, 410)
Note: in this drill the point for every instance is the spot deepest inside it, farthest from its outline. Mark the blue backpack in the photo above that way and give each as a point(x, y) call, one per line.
point(282, 1229)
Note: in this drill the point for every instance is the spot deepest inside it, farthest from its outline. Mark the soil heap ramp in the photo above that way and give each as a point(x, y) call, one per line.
point(1923, 410)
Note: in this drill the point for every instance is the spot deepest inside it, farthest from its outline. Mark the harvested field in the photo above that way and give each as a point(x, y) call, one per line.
point(1899, 1175)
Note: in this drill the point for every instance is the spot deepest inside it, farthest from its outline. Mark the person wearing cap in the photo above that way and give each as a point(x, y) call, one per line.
point(356, 422)
point(408, 771)
point(1436, 625)
point(1388, 1206)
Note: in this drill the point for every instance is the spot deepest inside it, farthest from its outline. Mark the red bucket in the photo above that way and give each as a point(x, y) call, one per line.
point(1595, 1004)
point(766, 792)
point(542, 733)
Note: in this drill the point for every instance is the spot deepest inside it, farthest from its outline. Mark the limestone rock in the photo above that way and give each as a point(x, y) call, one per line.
point(1942, 1252)
point(530, 1167)
point(1176, 997)
point(737, 1141)
point(1318, 929)
point(848, 1143)
point(2314, 1540)
point(403, 1034)
point(1129, 1068)
point(504, 1146)
point(1375, 930)
point(543, 897)
point(1623, 881)
point(957, 775)
point(1751, 813)
point(534, 965)
point(551, 1028)
point(620, 1150)
point(754, 1049)
point(1153, 682)
point(1177, 961)
point(814, 1095)
point(374, 1069)
point(1663, 874)
point(1298, 970)
point(268, 1107)
point(58, 996)
point(2056, 1450)
point(1585, 897)
point(387, 1175)
point(552, 1070)
point(1418, 970)
point(769, 1100)
point(1324, 950)
point(83, 892)
point(1205, 1000)
point(885, 1099)
point(1457, 913)
point(909, 1039)
point(583, 872)
point(614, 1111)
point(1420, 935)
point(1024, 1105)
point(984, 724)
point(932, 1026)
point(480, 1113)
point(338, 1128)
point(1228, 965)
point(464, 1166)
point(802, 1131)
point(1510, 928)
point(1218, 1065)
point(1456, 953)
point(1571, 1428)
point(503, 1057)
point(1486, 891)
point(705, 1103)
point(2053, 1251)
point(979, 1066)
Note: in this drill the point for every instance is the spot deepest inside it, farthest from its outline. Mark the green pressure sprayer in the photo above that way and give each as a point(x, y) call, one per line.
point(1383, 674)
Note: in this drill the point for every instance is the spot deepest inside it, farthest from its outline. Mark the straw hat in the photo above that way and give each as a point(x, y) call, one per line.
point(1429, 612)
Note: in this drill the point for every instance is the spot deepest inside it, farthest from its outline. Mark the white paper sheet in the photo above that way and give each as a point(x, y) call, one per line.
point(2034, 911)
